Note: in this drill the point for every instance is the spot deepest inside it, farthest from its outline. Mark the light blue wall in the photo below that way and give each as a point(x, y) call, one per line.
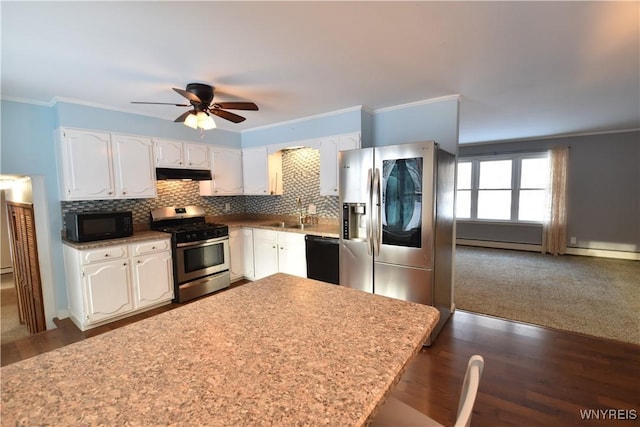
point(313, 127)
point(85, 117)
point(28, 149)
point(28, 146)
point(435, 120)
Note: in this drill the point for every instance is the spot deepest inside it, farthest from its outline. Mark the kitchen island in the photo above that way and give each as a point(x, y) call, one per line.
point(279, 351)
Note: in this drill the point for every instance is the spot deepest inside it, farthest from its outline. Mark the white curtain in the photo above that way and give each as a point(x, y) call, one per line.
point(554, 230)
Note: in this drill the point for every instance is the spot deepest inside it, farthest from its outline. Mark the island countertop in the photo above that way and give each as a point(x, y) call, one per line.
point(279, 351)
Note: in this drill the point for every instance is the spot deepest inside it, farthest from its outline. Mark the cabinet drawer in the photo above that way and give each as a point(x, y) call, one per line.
point(269, 235)
point(150, 247)
point(103, 254)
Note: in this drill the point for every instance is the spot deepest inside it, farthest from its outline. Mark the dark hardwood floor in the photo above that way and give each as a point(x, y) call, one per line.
point(533, 376)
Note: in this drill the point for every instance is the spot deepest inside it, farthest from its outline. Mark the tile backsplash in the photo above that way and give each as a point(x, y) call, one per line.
point(300, 178)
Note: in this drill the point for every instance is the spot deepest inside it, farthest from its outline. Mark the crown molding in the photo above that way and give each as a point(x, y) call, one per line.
point(556, 136)
point(417, 103)
point(304, 119)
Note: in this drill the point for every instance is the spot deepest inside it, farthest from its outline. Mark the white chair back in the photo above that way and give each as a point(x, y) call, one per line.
point(469, 390)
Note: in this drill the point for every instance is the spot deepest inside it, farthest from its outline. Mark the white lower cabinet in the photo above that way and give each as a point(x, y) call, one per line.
point(108, 289)
point(292, 254)
point(278, 251)
point(116, 281)
point(241, 254)
point(150, 273)
point(265, 252)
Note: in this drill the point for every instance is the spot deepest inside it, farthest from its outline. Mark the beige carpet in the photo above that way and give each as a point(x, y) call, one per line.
point(10, 327)
point(593, 296)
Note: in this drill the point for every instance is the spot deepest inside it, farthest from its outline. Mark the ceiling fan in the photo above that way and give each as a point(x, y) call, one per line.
point(200, 97)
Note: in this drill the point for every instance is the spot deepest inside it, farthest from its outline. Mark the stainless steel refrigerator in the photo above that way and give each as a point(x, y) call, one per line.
point(397, 223)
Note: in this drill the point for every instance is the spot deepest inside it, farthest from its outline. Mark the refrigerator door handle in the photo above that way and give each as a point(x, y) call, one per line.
point(377, 208)
point(368, 220)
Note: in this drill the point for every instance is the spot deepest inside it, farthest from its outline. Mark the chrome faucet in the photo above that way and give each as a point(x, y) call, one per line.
point(299, 209)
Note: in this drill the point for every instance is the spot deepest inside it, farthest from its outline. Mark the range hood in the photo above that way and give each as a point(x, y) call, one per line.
point(183, 174)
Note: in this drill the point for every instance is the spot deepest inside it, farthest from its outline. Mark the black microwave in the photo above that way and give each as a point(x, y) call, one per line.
point(90, 226)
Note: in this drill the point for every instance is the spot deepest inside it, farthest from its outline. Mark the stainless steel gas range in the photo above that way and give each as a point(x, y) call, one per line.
point(200, 250)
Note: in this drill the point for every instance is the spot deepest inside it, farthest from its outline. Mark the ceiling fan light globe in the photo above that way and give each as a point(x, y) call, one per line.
point(205, 121)
point(191, 121)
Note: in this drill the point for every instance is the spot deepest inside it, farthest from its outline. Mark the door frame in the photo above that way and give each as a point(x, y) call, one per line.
point(34, 192)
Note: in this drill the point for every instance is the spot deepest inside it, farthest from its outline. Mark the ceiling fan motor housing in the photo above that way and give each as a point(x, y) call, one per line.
point(202, 91)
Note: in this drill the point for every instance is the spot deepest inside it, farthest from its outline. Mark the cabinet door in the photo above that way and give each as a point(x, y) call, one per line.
point(291, 254)
point(254, 171)
point(108, 290)
point(196, 156)
point(226, 172)
point(134, 166)
point(265, 251)
point(247, 246)
point(236, 254)
point(329, 148)
point(169, 153)
point(152, 278)
point(86, 165)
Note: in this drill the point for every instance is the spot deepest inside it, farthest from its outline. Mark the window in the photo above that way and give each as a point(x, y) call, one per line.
point(503, 188)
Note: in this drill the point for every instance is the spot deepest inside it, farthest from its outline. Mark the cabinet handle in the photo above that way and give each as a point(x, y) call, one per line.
point(153, 247)
point(124, 192)
point(124, 263)
point(138, 261)
point(106, 255)
point(273, 247)
point(110, 192)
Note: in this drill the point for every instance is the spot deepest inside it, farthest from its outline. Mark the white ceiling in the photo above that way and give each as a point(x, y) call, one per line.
point(522, 69)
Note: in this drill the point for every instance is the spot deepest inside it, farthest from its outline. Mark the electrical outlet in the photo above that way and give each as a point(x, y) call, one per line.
point(227, 207)
point(572, 240)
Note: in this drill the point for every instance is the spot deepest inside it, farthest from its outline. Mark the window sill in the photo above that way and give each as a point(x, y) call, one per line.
point(496, 222)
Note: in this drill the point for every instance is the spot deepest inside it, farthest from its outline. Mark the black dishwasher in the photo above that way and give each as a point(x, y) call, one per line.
point(322, 258)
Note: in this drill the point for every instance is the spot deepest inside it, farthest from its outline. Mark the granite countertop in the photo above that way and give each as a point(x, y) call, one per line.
point(322, 229)
point(279, 351)
point(138, 236)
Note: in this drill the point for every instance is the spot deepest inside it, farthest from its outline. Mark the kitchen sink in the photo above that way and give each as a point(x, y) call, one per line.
point(288, 225)
point(276, 224)
point(298, 226)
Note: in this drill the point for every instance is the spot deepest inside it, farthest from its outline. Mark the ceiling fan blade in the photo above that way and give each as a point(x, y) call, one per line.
point(160, 103)
point(190, 96)
point(237, 105)
point(182, 117)
point(227, 115)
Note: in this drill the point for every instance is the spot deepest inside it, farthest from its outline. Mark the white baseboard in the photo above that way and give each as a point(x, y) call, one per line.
point(6, 270)
point(499, 245)
point(601, 253)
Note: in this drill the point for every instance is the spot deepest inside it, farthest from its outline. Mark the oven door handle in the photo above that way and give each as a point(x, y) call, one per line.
point(202, 242)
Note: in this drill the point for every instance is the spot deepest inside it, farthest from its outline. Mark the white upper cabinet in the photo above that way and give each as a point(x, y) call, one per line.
point(134, 168)
point(261, 171)
point(196, 156)
point(181, 155)
point(226, 173)
point(86, 165)
point(98, 165)
point(169, 153)
point(329, 148)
